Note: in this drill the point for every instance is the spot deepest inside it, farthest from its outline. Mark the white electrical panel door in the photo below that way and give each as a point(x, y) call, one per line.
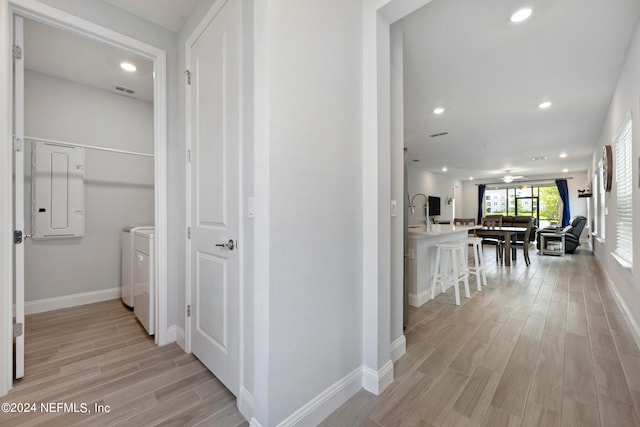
point(57, 181)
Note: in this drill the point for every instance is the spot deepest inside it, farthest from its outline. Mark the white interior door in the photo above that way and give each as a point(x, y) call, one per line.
point(18, 192)
point(214, 120)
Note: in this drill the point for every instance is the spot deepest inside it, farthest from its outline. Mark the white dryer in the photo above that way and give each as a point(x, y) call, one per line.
point(144, 280)
point(127, 262)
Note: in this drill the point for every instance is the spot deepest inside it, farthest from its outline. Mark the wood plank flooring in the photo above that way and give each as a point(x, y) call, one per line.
point(544, 345)
point(98, 354)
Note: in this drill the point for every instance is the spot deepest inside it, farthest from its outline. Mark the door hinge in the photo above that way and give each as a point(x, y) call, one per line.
point(17, 237)
point(188, 74)
point(188, 232)
point(17, 52)
point(189, 310)
point(17, 144)
point(189, 156)
point(18, 329)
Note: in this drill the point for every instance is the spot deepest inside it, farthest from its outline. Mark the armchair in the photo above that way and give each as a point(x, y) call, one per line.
point(572, 234)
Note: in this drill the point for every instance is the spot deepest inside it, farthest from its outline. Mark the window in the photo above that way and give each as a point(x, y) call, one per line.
point(540, 201)
point(624, 203)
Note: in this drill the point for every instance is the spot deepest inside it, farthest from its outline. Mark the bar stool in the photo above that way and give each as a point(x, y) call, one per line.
point(478, 262)
point(451, 267)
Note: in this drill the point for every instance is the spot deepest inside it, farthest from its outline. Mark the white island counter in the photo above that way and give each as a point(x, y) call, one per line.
point(422, 255)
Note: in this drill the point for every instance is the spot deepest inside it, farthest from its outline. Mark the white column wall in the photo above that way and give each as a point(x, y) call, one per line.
point(625, 99)
point(315, 291)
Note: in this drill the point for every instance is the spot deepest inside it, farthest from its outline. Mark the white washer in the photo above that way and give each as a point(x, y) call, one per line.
point(144, 281)
point(126, 276)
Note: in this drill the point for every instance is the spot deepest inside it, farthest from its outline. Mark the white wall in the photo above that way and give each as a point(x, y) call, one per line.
point(130, 25)
point(119, 189)
point(315, 282)
point(434, 184)
point(625, 100)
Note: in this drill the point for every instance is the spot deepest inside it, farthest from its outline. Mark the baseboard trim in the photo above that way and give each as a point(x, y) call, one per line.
point(49, 304)
point(631, 322)
point(172, 333)
point(398, 348)
point(245, 403)
point(321, 406)
point(376, 381)
point(418, 300)
point(179, 337)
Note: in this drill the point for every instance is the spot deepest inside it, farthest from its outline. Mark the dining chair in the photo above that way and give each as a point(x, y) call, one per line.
point(524, 243)
point(465, 221)
point(493, 221)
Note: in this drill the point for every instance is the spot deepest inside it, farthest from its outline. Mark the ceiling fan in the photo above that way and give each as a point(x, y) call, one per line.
point(509, 178)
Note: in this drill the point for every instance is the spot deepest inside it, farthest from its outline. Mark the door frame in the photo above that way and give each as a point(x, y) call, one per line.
point(49, 15)
point(191, 39)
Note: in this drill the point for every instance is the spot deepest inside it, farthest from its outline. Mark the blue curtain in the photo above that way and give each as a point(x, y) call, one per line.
point(563, 189)
point(481, 188)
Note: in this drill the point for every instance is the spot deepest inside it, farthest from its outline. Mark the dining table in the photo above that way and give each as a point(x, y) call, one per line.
point(506, 233)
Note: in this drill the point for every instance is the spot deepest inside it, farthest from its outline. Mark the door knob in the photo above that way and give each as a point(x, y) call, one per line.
point(229, 245)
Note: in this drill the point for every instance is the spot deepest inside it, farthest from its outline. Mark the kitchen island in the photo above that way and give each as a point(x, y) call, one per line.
point(422, 255)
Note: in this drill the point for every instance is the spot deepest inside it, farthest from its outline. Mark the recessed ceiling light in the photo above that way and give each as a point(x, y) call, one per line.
point(127, 66)
point(444, 169)
point(438, 110)
point(521, 15)
point(565, 170)
point(545, 104)
point(470, 178)
point(563, 155)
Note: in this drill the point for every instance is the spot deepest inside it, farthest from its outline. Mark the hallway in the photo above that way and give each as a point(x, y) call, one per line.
point(544, 345)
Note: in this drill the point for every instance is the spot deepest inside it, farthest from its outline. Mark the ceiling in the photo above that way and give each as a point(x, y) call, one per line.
point(169, 14)
point(69, 56)
point(73, 57)
point(466, 56)
point(490, 75)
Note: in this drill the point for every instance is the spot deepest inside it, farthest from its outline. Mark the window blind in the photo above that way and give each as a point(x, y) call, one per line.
point(624, 202)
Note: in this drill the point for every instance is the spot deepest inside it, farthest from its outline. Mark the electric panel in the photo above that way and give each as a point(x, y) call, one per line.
point(57, 192)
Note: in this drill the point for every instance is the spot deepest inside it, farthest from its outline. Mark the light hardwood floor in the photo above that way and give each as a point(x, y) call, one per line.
point(544, 345)
point(99, 354)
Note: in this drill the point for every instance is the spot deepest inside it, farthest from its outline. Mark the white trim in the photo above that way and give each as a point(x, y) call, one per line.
point(631, 322)
point(172, 332)
point(376, 381)
point(245, 403)
point(621, 261)
point(254, 423)
point(398, 348)
point(261, 233)
point(66, 301)
point(57, 18)
point(6, 202)
point(378, 15)
point(180, 338)
point(321, 406)
point(417, 300)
